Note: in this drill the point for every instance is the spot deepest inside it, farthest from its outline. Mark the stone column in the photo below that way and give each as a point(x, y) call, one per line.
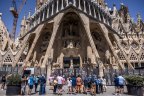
point(94, 12)
point(38, 32)
point(89, 9)
point(21, 50)
point(57, 6)
point(62, 6)
point(57, 21)
point(43, 14)
point(84, 6)
point(48, 11)
point(86, 22)
point(79, 5)
point(100, 19)
point(105, 33)
point(74, 3)
point(52, 8)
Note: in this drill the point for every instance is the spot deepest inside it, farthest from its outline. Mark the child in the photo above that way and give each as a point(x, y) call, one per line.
point(69, 81)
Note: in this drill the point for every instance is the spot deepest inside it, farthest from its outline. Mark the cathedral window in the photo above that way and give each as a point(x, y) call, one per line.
point(121, 56)
point(20, 60)
point(142, 56)
point(8, 59)
point(133, 57)
point(4, 67)
point(136, 65)
point(9, 68)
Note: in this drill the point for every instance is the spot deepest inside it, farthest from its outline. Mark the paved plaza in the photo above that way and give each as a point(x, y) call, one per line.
point(110, 91)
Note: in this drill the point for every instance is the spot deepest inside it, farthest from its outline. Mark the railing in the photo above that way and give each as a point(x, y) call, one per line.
point(51, 8)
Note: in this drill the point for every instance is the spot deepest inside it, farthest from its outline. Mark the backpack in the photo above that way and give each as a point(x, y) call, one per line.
point(92, 80)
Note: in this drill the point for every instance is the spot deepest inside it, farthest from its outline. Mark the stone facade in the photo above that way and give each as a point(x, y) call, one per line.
point(72, 33)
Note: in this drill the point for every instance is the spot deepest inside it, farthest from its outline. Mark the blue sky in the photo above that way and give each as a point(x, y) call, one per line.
point(135, 6)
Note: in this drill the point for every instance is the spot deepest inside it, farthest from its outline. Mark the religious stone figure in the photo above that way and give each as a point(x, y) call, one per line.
point(107, 54)
point(70, 45)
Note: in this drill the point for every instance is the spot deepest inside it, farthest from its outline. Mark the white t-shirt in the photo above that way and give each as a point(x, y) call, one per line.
point(104, 81)
point(59, 79)
point(69, 82)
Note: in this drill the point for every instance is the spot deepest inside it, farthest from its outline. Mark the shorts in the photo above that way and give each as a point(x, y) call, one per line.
point(59, 86)
point(31, 86)
point(121, 86)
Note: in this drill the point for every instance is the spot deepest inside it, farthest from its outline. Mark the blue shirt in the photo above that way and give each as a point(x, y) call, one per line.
point(73, 81)
point(121, 80)
point(31, 80)
point(42, 80)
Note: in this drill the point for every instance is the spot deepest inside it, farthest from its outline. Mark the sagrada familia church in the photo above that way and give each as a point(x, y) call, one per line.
point(74, 34)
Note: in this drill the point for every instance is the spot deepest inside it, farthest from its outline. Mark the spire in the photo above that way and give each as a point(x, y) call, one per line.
point(114, 10)
point(122, 5)
point(128, 18)
point(106, 7)
point(0, 15)
point(29, 14)
point(139, 17)
point(23, 21)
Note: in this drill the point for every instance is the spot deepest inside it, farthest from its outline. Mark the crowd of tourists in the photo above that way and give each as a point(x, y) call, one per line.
point(31, 82)
point(89, 84)
point(75, 85)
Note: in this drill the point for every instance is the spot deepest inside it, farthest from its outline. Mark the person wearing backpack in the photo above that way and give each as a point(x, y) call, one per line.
point(55, 82)
point(100, 85)
point(36, 79)
point(3, 82)
point(30, 84)
point(97, 82)
point(42, 85)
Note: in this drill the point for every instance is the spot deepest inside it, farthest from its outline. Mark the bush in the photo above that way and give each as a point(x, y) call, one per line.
point(14, 79)
point(135, 80)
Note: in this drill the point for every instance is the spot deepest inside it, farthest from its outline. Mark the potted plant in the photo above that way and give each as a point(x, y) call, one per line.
point(135, 85)
point(13, 84)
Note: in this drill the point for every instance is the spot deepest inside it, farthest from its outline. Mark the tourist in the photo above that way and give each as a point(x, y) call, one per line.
point(79, 83)
point(42, 81)
point(104, 84)
point(89, 83)
point(23, 85)
point(36, 79)
point(60, 84)
point(54, 85)
point(116, 83)
point(121, 83)
point(69, 82)
point(73, 84)
point(51, 80)
point(30, 84)
point(97, 85)
point(100, 84)
point(3, 82)
point(85, 85)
